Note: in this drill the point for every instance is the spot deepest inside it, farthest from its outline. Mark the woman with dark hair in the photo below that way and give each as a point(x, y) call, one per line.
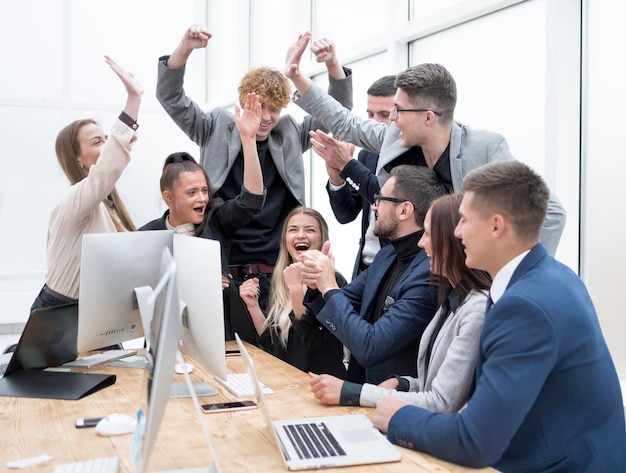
point(193, 210)
point(449, 346)
point(289, 331)
point(93, 163)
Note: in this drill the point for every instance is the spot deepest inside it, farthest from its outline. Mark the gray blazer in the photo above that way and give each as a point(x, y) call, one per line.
point(469, 149)
point(219, 140)
point(445, 386)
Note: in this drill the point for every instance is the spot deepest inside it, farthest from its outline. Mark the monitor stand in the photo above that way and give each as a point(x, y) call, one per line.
point(201, 389)
point(214, 466)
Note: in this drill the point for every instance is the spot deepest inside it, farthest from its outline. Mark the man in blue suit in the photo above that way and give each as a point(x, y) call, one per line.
point(547, 396)
point(380, 316)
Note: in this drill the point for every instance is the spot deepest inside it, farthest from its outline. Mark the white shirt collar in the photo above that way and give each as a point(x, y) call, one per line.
point(501, 280)
point(184, 229)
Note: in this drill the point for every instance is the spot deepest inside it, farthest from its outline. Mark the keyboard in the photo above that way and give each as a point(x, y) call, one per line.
point(100, 358)
point(240, 385)
point(97, 465)
point(313, 440)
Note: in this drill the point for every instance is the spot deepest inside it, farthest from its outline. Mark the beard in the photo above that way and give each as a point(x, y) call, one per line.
point(385, 229)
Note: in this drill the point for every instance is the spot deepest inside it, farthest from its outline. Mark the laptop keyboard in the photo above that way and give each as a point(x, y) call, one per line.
point(97, 465)
point(312, 440)
point(240, 385)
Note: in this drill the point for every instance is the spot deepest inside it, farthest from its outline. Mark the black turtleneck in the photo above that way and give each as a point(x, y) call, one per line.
point(406, 250)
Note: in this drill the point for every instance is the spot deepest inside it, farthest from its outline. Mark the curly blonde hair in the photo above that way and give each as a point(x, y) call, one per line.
point(269, 84)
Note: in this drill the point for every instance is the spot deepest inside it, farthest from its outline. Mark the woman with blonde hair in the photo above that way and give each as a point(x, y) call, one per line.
point(290, 332)
point(92, 162)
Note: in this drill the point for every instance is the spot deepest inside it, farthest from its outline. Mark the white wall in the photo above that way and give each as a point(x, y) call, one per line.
point(604, 167)
point(517, 65)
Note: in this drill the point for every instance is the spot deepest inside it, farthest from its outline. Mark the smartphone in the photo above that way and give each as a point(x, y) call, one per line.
point(228, 406)
point(232, 352)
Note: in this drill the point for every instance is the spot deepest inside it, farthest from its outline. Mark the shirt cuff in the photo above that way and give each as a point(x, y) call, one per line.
point(350, 394)
point(335, 188)
point(128, 121)
point(404, 384)
point(328, 293)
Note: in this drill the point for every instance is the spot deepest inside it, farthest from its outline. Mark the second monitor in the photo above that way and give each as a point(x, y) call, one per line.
point(200, 289)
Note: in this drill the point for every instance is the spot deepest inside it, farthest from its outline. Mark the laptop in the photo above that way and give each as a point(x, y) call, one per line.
point(49, 340)
point(323, 442)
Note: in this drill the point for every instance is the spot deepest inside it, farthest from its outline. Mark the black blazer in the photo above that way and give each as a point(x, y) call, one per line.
point(357, 196)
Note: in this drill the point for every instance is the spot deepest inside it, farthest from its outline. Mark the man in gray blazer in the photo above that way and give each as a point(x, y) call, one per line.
point(281, 140)
point(422, 131)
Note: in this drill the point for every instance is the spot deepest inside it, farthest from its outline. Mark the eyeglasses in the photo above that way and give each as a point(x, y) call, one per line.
point(398, 111)
point(378, 198)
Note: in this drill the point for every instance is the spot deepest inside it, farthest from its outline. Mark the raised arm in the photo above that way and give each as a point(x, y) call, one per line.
point(324, 51)
point(195, 37)
point(247, 120)
point(133, 88)
point(301, 82)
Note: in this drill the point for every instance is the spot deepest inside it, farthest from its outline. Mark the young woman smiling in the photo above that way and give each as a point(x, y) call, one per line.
point(289, 331)
point(92, 162)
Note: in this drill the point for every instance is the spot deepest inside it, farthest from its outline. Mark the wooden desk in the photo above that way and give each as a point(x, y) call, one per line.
point(30, 427)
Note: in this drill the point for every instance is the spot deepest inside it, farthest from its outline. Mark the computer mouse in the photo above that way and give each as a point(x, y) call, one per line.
point(116, 424)
point(182, 368)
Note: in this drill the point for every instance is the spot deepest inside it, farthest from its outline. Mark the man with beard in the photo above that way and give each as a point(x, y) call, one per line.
point(381, 314)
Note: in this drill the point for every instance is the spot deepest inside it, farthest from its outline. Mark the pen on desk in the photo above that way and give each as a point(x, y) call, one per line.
point(82, 423)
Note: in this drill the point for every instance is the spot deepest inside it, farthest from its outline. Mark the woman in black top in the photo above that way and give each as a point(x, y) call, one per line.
point(290, 332)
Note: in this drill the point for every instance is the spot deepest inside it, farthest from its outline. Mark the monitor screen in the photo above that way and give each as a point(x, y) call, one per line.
point(112, 266)
point(199, 274)
point(165, 328)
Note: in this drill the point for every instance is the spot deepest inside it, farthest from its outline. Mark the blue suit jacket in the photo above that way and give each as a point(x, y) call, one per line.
point(547, 396)
point(389, 345)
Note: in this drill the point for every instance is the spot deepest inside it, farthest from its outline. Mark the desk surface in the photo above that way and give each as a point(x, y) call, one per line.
point(31, 427)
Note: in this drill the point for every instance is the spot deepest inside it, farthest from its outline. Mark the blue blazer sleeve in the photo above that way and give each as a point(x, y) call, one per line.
point(547, 395)
point(401, 325)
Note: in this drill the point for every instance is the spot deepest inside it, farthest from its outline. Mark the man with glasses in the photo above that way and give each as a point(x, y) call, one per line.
point(422, 132)
point(381, 314)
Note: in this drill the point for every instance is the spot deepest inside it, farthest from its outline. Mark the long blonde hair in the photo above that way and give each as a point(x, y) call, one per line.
point(67, 150)
point(280, 305)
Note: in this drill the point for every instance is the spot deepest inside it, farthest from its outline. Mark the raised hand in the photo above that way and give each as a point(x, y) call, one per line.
point(133, 87)
point(294, 55)
point(324, 51)
point(248, 118)
point(196, 37)
point(318, 268)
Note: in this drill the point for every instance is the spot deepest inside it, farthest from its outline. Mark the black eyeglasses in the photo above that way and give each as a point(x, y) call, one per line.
point(398, 111)
point(378, 198)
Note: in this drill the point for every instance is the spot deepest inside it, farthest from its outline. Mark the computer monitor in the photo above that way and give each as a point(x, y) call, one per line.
point(112, 266)
point(164, 330)
point(199, 274)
